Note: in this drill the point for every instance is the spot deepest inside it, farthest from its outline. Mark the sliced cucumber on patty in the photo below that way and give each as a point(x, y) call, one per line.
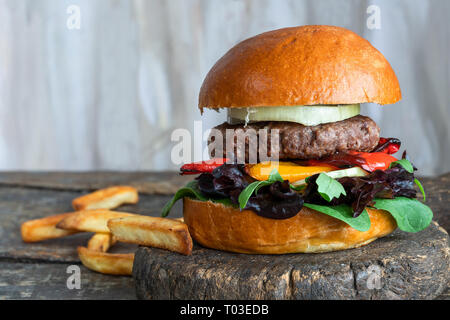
point(350, 172)
point(306, 115)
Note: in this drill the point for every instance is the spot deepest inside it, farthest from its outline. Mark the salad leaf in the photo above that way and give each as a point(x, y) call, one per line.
point(298, 188)
point(404, 163)
point(276, 201)
point(411, 215)
point(223, 181)
point(255, 186)
point(360, 191)
point(224, 201)
point(344, 213)
point(329, 188)
point(416, 181)
point(275, 176)
point(190, 190)
point(272, 198)
point(247, 193)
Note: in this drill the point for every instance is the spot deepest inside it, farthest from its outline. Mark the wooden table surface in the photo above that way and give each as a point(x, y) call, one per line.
point(39, 271)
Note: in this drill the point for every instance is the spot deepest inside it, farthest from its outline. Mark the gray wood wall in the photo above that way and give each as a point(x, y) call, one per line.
point(107, 96)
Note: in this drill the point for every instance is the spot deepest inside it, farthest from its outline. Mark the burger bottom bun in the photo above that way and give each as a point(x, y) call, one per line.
point(216, 226)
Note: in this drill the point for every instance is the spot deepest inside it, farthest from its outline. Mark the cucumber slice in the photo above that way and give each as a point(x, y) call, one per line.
point(351, 172)
point(306, 115)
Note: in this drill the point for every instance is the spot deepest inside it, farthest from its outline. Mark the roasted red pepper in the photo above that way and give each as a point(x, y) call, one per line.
point(369, 161)
point(388, 145)
point(374, 160)
point(202, 166)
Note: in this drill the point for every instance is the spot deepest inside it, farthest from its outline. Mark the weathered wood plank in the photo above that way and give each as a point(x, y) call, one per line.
point(18, 205)
point(49, 281)
point(145, 182)
point(407, 266)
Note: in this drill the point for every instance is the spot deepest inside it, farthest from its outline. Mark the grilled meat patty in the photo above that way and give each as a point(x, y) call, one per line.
point(297, 141)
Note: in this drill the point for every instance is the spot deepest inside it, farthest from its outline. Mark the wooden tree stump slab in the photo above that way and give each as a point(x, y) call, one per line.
point(399, 266)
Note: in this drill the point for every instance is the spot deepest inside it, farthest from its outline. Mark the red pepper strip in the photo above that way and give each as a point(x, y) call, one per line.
point(369, 161)
point(374, 160)
point(388, 145)
point(202, 166)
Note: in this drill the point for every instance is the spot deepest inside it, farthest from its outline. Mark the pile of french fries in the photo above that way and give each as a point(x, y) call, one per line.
point(93, 213)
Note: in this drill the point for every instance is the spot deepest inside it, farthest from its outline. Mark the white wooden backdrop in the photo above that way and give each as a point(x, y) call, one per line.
point(108, 96)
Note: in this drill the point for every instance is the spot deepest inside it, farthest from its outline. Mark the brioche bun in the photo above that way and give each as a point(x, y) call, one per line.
point(309, 65)
point(216, 226)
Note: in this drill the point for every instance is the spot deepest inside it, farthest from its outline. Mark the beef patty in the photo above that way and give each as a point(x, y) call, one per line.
point(297, 141)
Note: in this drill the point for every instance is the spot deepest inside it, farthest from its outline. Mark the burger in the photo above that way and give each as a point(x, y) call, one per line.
point(296, 167)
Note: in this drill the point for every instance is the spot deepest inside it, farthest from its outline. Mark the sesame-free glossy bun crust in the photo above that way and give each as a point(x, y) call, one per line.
point(306, 65)
point(216, 226)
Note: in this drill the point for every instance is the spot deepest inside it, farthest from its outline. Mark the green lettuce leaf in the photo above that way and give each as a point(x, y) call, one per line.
point(411, 215)
point(404, 163)
point(329, 188)
point(190, 190)
point(255, 186)
point(421, 188)
point(344, 213)
point(248, 191)
point(407, 165)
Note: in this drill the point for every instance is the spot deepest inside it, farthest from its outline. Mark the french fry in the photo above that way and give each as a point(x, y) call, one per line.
point(101, 242)
point(108, 198)
point(156, 232)
point(45, 228)
point(109, 263)
point(90, 220)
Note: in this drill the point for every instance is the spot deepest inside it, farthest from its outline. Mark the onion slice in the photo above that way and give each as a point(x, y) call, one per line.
point(306, 115)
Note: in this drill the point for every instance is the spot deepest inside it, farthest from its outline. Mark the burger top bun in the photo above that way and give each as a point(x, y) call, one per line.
point(306, 65)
